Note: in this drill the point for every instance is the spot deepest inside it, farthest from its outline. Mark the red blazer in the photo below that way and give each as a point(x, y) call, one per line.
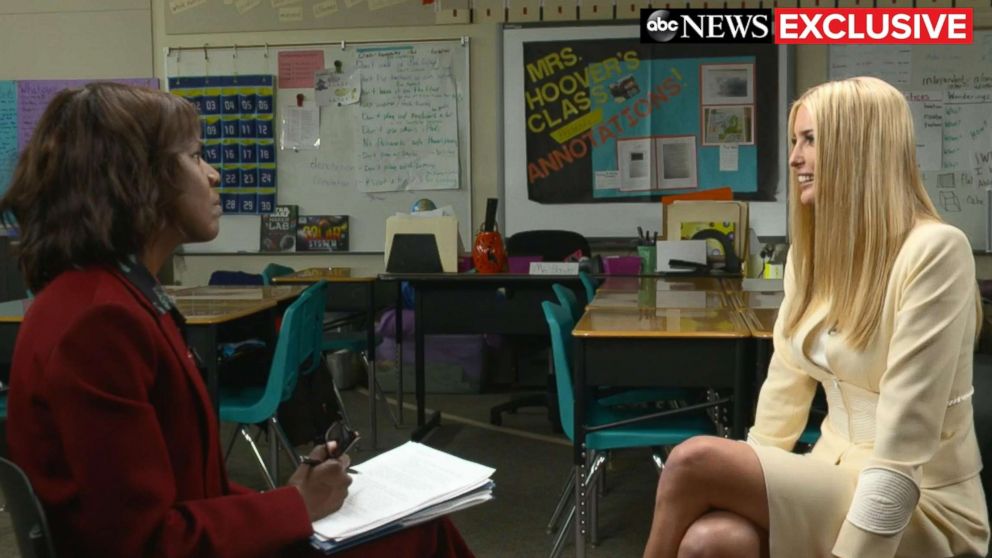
point(111, 421)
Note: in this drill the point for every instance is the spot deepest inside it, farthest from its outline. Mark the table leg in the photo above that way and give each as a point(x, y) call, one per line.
point(742, 393)
point(424, 426)
point(399, 354)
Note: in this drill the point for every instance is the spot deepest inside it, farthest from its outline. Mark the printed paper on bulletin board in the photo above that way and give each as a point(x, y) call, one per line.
point(198, 16)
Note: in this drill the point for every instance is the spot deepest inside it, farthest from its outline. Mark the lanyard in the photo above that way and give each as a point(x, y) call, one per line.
point(142, 279)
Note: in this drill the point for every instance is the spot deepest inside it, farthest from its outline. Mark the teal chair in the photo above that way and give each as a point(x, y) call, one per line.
point(3, 407)
point(660, 431)
point(589, 284)
point(274, 270)
point(298, 351)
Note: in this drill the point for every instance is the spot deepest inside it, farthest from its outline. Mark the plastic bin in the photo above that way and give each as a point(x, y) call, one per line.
point(622, 265)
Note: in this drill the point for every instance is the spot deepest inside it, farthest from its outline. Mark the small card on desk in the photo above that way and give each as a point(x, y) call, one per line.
point(554, 268)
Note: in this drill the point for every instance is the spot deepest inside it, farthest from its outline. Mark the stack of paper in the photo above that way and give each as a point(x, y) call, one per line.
point(402, 487)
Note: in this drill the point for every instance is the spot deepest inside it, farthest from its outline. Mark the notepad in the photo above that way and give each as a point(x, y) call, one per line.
point(399, 488)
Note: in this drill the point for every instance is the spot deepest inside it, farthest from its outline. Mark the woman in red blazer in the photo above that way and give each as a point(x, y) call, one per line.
point(108, 414)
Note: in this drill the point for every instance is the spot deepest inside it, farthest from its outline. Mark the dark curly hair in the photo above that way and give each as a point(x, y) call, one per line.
point(98, 178)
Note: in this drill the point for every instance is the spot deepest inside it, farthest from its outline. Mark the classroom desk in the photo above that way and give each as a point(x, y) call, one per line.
point(466, 303)
point(208, 309)
point(669, 347)
point(650, 297)
point(351, 290)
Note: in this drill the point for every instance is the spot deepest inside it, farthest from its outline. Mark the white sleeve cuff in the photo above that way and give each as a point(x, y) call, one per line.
point(883, 501)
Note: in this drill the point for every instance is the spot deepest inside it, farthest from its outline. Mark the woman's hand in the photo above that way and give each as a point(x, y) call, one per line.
point(325, 486)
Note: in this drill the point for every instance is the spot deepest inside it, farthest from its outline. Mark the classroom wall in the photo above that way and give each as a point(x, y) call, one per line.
point(127, 38)
point(48, 39)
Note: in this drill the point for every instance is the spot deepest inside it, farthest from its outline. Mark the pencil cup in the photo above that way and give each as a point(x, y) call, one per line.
point(648, 255)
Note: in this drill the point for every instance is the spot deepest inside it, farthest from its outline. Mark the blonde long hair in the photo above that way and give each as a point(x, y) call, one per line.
point(869, 195)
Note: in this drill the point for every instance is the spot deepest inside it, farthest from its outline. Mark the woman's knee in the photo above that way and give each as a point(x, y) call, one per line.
point(698, 456)
point(720, 535)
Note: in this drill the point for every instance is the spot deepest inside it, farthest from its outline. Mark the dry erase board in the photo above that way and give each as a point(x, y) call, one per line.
point(590, 89)
point(397, 119)
point(949, 90)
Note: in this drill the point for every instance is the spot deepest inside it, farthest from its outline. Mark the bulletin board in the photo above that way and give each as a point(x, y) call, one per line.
point(598, 127)
point(333, 178)
point(949, 90)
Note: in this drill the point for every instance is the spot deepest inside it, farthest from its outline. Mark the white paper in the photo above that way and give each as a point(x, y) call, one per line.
point(686, 250)
point(606, 180)
point(729, 156)
point(928, 124)
point(300, 127)
point(337, 88)
point(635, 164)
point(676, 160)
point(396, 483)
point(967, 137)
point(409, 120)
point(554, 268)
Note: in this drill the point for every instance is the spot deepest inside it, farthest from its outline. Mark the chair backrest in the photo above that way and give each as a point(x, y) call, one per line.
point(560, 327)
point(297, 347)
point(551, 245)
point(235, 278)
point(274, 270)
point(567, 298)
point(28, 517)
point(590, 285)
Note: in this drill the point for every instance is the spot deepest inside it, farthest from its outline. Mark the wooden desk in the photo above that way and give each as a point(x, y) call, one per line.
point(648, 298)
point(206, 309)
point(504, 303)
point(353, 290)
point(699, 347)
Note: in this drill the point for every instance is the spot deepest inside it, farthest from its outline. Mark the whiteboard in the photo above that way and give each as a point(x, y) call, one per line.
point(324, 181)
point(955, 82)
point(603, 220)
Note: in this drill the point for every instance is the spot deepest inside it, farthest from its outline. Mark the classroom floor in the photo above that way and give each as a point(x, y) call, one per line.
point(531, 462)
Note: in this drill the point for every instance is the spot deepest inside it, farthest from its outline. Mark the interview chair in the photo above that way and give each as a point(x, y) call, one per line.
point(551, 246)
point(651, 432)
point(34, 540)
point(297, 351)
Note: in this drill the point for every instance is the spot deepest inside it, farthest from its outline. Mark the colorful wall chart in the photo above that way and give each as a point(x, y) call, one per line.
point(236, 114)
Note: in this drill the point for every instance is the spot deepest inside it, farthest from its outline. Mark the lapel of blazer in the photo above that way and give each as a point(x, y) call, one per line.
point(802, 339)
point(194, 378)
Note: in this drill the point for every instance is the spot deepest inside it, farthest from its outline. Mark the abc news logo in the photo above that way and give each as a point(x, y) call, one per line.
point(706, 26)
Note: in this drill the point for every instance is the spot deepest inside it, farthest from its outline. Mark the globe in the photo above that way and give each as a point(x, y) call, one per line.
point(423, 204)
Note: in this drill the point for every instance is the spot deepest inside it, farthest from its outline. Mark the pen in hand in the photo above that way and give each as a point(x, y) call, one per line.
point(311, 462)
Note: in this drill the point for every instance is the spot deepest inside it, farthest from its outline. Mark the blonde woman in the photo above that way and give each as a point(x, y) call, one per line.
point(880, 309)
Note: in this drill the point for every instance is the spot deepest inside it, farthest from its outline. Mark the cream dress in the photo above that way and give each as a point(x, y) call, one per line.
point(901, 406)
